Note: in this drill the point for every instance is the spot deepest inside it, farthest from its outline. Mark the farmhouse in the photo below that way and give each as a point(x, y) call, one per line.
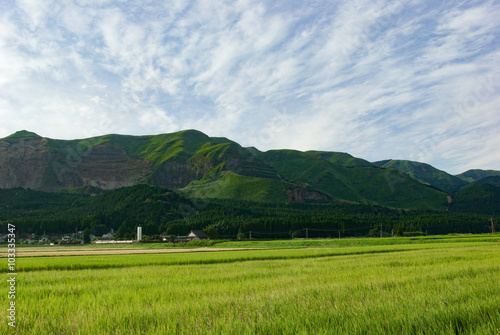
point(44, 239)
point(197, 235)
point(193, 235)
point(108, 235)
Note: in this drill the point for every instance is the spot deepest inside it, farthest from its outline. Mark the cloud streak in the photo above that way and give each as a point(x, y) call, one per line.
point(404, 79)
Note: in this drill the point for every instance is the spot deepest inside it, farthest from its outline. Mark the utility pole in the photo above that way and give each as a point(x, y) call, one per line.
point(339, 234)
point(492, 227)
point(307, 232)
point(250, 235)
point(381, 230)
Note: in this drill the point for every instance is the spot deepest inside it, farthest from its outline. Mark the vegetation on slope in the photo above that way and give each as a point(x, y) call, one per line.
point(424, 289)
point(341, 158)
point(21, 135)
point(160, 211)
point(386, 187)
point(212, 167)
point(229, 185)
point(427, 174)
point(477, 174)
point(483, 198)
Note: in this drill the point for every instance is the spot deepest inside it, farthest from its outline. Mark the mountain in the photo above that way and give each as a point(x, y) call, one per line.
point(426, 174)
point(476, 174)
point(481, 198)
point(200, 166)
point(492, 180)
point(112, 161)
point(341, 158)
point(364, 184)
point(381, 163)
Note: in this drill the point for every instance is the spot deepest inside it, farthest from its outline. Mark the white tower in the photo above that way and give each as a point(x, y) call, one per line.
point(139, 234)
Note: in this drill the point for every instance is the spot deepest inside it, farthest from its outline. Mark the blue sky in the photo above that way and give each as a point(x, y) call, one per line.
point(416, 80)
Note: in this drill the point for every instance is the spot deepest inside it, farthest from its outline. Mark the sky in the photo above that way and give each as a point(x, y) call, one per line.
point(400, 79)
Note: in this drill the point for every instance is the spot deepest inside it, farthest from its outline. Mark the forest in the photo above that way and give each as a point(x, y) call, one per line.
point(163, 212)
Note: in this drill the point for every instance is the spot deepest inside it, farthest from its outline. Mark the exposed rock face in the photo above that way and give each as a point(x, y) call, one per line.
point(25, 164)
point(34, 164)
point(108, 167)
point(302, 195)
point(176, 175)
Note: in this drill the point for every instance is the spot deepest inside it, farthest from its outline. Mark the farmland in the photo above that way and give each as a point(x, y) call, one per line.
point(439, 285)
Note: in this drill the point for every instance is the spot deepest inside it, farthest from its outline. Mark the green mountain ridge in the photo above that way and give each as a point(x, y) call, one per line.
point(365, 184)
point(427, 174)
point(200, 166)
point(342, 158)
point(477, 174)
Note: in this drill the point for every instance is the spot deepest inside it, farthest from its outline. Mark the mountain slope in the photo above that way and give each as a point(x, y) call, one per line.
point(386, 187)
point(479, 198)
point(427, 174)
point(230, 185)
point(112, 161)
point(477, 174)
point(341, 158)
point(492, 180)
point(213, 167)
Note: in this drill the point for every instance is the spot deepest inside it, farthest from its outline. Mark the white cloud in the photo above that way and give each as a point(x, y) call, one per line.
point(376, 79)
point(159, 120)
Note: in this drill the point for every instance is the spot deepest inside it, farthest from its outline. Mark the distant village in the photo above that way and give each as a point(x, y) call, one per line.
point(79, 237)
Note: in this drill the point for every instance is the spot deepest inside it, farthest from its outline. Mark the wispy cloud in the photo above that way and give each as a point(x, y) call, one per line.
point(385, 79)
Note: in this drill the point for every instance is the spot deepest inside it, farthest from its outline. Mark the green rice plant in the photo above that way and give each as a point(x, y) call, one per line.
point(441, 288)
point(28, 264)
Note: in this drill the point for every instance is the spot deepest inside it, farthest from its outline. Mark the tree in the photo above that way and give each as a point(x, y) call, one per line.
point(240, 234)
point(86, 236)
point(398, 230)
point(211, 231)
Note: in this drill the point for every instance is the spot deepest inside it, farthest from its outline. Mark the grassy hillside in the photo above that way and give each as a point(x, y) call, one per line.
point(185, 147)
point(359, 184)
point(492, 180)
point(311, 169)
point(229, 185)
point(381, 163)
point(218, 168)
point(390, 187)
point(427, 174)
point(476, 174)
point(341, 158)
point(21, 135)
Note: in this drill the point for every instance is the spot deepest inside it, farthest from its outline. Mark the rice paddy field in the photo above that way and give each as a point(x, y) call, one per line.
point(438, 285)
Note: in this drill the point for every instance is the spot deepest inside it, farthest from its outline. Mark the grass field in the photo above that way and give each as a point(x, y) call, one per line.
point(394, 286)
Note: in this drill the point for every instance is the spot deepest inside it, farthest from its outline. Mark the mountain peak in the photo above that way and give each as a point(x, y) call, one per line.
point(22, 135)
